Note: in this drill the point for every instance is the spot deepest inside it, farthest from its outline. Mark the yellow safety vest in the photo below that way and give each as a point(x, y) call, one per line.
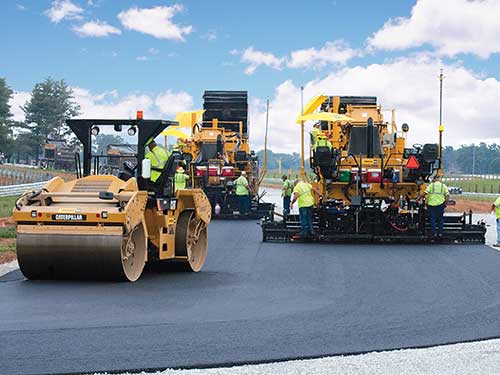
point(180, 180)
point(436, 193)
point(497, 207)
point(158, 157)
point(322, 143)
point(286, 190)
point(305, 197)
point(241, 186)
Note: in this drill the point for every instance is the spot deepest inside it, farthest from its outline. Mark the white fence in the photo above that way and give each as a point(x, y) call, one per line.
point(14, 190)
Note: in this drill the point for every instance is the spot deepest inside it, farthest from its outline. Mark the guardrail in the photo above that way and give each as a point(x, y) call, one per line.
point(13, 190)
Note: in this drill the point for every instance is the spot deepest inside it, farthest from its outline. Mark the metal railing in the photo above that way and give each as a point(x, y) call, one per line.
point(14, 190)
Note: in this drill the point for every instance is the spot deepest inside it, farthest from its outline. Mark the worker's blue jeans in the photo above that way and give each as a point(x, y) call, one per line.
point(498, 231)
point(306, 220)
point(286, 205)
point(436, 214)
point(243, 204)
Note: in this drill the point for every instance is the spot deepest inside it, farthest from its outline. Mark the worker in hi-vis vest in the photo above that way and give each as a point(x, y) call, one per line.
point(180, 179)
point(243, 193)
point(437, 196)
point(302, 192)
point(496, 207)
point(158, 157)
point(286, 194)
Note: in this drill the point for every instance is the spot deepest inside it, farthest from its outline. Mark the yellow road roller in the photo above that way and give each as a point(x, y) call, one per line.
point(108, 226)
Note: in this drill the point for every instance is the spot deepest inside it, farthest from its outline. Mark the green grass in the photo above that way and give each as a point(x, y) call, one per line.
point(8, 232)
point(6, 206)
point(8, 247)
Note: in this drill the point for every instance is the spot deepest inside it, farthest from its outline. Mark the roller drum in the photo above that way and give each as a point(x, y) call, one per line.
point(89, 255)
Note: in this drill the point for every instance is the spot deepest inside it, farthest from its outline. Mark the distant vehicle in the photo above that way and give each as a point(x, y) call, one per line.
point(455, 190)
point(58, 155)
point(116, 156)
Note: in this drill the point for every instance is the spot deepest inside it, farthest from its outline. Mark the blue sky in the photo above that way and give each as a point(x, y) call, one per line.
point(224, 38)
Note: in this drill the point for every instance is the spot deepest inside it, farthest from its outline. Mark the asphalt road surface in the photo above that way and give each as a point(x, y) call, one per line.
point(253, 302)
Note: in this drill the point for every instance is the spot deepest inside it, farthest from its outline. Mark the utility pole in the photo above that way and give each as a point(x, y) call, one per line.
point(302, 165)
point(441, 127)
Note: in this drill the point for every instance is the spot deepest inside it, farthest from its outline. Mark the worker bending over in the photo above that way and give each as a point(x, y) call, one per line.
point(243, 193)
point(286, 194)
point(496, 207)
point(180, 179)
point(437, 199)
point(303, 193)
point(158, 157)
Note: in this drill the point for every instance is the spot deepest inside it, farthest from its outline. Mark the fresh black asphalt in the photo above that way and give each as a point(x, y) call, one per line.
point(253, 302)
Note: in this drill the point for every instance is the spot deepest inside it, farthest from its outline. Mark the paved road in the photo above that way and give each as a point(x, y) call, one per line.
point(253, 302)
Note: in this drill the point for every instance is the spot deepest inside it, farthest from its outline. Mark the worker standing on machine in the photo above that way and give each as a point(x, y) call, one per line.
point(496, 207)
point(158, 157)
point(180, 179)
point(437, 198)
point(286, 194)
point(303, 193)
point(321, 141)
point(243, 193)
point(315, 132)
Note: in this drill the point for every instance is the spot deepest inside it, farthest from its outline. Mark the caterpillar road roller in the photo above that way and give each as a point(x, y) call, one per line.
point(219, 151)
point(108, 226)
point(369, 179)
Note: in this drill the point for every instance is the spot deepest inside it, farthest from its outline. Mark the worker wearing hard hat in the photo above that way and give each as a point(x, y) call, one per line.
point(496, 207)
point(315, 132)
point(243, 193)
point(437, 196)
point(302, 192)
point(180, 179)
point(158, 157)
point(286, 194)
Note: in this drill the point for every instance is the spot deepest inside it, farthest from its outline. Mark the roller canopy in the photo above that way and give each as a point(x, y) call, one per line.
point(147, 129)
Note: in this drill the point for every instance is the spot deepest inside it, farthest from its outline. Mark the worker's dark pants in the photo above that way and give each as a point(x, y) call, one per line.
point(436, 214)
point(306, 220)
point(286, 205)
point(243, 204)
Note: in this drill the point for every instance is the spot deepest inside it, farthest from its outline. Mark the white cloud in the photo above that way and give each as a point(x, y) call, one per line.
point(210, 35)
point(155, 21)
point(111, 105)
point(154, 51)
point(450, 26)
point(20, 7)
point(16, 101)
point(96, 29)
point(256, 58)
point(169, 102)
point(409, 85)
point(336, 52)
point(142, 58)
point(63, 9)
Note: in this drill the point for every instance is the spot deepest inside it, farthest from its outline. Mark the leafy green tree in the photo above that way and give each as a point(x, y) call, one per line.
point(51, 103)
point(6, 141)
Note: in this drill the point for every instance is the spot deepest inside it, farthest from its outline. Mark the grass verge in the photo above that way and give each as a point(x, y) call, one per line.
point(6, 206)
